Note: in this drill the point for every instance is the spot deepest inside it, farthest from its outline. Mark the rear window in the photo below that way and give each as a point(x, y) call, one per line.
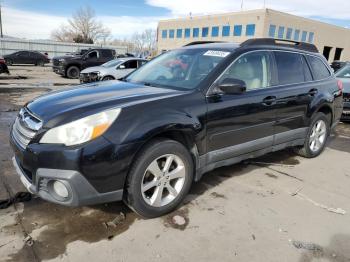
point(290, 68)
point(318, 68)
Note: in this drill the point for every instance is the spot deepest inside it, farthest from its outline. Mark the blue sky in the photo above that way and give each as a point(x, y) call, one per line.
point(36, 19)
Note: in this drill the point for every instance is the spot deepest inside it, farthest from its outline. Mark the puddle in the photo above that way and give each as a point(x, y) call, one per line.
point(58, 226)
point(337, 251)
point(284, 157)
point(177, 219)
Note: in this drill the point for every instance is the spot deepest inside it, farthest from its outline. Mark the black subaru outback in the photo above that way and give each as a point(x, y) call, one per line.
point(145, 139)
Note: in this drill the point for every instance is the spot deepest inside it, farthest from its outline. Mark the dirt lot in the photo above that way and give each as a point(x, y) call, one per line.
point(276, 208)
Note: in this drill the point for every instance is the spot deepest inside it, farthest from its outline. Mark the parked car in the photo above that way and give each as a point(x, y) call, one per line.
point(336, 65)
point(3, 66)
point(114, 69)
point(70, 66)
point(27, 57)
point(344, 75)
point(145, 139)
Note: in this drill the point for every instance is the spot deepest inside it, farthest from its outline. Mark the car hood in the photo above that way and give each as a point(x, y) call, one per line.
point(67, 105)
point(93, 69)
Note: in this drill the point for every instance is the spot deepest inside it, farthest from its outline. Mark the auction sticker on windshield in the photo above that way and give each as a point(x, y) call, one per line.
point(216, 53)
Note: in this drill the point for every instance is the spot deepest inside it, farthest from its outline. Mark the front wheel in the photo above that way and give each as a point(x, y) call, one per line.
point(316, 138)
point(73, 72)
point(9, 62)
point(107, 78)
point(160, 178)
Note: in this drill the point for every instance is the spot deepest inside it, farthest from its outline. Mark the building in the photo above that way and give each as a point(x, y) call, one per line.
point(52, 48)
point(333, 41)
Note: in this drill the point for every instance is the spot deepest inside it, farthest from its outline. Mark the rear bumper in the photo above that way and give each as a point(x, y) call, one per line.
point(80, 191)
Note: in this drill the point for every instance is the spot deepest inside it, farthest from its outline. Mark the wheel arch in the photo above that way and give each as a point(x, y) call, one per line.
point(327, 110)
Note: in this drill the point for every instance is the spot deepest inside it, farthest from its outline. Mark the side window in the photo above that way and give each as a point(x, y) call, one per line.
point(106, 53)
point(93, 55)
point(289, 68)
point(318, 68)
point(141, 63)
point(306, 69)
point(252, 68)
point(132, 64)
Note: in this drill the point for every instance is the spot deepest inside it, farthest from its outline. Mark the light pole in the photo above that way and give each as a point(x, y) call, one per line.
point(1, 34)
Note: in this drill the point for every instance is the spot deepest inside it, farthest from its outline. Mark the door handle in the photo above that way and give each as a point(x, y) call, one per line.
point(270, 100)
point(313, 92)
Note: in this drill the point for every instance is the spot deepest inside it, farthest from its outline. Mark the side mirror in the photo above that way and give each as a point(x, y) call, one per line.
point(232, 86)
point(122, 67)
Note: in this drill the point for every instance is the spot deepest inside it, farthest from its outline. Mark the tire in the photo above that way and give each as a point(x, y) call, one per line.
point(73, 72)
point(107, 78)
point(155, 154)
point(314, 147)
point(40, 63)
point(9, 62)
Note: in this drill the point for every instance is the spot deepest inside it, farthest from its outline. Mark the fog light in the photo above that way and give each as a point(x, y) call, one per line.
point(60, 189)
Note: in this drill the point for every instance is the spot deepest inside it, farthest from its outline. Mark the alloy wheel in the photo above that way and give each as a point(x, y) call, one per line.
point(318, 136)
point(163, 180)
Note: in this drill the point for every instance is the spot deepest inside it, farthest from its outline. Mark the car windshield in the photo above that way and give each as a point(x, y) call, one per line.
point(344, 72)
point(113, 63)
point(181, 69)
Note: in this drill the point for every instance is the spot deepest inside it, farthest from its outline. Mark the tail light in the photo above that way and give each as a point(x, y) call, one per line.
point(340, 86)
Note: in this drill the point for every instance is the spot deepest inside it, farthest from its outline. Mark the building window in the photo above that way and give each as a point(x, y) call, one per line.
point(205, 31)
point(303, 36)
point(179, 33)
point(195, 32)
point(171, 33)
point(226, 30)
point(187, 32)
point(272, 31)
point(311, 37)
point(237, 30)
point(164, 33)
point(215, 31)
point(289, 33)
point(250, 30)
point(296, 35)
point(281, 32)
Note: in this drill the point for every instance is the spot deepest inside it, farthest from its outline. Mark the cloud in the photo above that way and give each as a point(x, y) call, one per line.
point(336, 9)
point(33, 25)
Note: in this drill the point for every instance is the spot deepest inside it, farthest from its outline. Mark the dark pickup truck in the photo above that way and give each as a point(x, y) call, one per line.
point(70, 66)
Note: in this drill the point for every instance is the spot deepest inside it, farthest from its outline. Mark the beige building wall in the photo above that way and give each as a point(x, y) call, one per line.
point(324, 34)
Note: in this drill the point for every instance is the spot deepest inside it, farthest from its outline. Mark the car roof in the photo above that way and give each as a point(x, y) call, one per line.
point(219, 45)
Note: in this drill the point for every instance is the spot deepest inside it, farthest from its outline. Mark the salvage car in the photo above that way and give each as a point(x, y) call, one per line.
point(27, 57)
point(114, 69)
point(147, 138)
point(71, 65)
point(344, 75)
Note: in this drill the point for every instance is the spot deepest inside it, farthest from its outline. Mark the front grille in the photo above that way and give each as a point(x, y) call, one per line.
point(25, 127)
point(89, 77)
point(346, 97)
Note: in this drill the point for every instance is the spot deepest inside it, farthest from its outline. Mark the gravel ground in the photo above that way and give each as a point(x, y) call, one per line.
point(276, 208)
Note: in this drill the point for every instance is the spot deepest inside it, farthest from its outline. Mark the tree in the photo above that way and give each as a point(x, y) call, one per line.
point(145, 41)
point(82, 28)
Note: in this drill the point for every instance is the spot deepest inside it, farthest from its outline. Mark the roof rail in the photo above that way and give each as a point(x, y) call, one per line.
point(203, 42)
point(280, 42)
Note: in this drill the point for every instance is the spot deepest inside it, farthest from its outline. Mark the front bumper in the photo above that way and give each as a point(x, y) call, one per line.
point(89, 77)
point(94, 172)
point(80, 191)
point(58, 70)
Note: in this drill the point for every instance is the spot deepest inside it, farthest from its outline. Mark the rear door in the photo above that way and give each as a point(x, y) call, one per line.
point(243, 123)
point(295, 91)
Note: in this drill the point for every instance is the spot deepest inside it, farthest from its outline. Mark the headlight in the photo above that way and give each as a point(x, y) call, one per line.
point(82, 130)
point(61, 60)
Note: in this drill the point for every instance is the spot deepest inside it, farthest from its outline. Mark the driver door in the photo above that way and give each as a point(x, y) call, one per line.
point(91, 59)
point(242, 123)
